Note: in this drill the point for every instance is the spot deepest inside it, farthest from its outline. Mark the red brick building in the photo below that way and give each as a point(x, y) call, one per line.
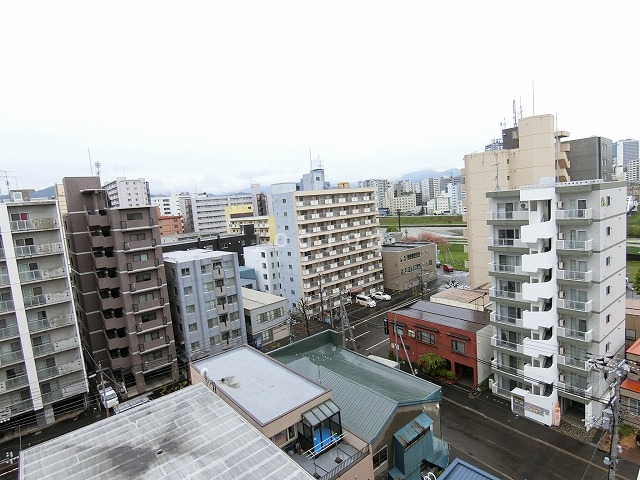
point(459, 335)
point(170, 224)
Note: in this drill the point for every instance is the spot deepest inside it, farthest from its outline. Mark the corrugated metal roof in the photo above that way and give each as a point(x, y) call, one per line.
point(447, 315)
point(635, 348)
point(413, 429)
point(357, 381)
point(461, 470)
point(191, 433)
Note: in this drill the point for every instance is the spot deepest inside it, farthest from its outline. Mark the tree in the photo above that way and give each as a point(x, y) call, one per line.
point(431, 363)
point(636, 282)
point(392, 228)
point(304, 310)
point(422, 210)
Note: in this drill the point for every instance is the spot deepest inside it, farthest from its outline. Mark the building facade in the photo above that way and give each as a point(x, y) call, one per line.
point(590, 158)
point(265, 227)
point(206, 302)
point(120, 287)
point(205, 213)
point(328, 244)
point(529, 153)
point(42, 371)
point(625, 151)
point(409, 266)
point(170, 225)
point(558, 293)
point(125, 192)
point(265, 260)
point(267, 319)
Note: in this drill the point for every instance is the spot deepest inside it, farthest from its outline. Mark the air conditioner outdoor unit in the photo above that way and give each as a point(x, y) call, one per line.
point(561, 294)
point(563, 377)
point(561, 265)
point(411, 333)
point(561, 236)
point(562, 322)
point(561, 350)
point(524, 206)
point(560, 205)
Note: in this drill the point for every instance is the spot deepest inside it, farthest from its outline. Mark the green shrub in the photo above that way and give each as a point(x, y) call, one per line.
point(450, 375)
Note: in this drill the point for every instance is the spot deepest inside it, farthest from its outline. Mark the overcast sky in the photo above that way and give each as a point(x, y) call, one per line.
point(208, 96)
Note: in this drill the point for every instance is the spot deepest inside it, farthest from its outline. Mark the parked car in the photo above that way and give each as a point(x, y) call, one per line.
point(108, 397)
point(381, 296)
point(362, 299)
point(447, 268)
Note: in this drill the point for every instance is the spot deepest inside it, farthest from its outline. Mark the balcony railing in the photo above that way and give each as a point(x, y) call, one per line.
point(564, 388)
point(575, 275)
point(576, 245)
point(516, 347)
point(44, 299)
point(49, 323)
point(9, 331)
point(11, 357)
point(503, 392)
point(516, 215)
point(153, 364)
point(576, 334)
point(506, 242)
point(43, 274)
point(502, 293)
point(6, 305)
point(572, 362)
point(42, 249)
point(575, 214)
point(56, 370)
point(576, 305)
point(13, 383)
point(501, 268)
point(34, 224)
point(506, 319)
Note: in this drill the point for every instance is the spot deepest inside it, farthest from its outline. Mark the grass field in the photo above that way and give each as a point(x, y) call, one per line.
point(454, 256)
point(422, 221)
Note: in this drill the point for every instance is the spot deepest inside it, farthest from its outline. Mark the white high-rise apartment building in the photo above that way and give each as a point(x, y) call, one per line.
point(557, 264)
point(206, 301)
point(125, 192)
point(42, 370)
point(169, 206)
point(206, 214)
point(328, 244)
point(265, 261)
point(380, 186)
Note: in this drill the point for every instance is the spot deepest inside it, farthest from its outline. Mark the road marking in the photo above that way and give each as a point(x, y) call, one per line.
point(361, 335)
point(377, 344)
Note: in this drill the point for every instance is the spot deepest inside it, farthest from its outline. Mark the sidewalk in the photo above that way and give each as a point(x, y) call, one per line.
point(568, 436)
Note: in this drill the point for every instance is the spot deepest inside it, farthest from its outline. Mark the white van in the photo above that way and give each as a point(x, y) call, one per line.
point(362, 299)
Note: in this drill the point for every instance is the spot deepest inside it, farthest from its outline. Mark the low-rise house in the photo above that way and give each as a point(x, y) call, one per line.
point(266, 318)
point(630, 388)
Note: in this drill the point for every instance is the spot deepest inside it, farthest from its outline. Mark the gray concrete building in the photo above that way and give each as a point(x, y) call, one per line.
point(590, 158)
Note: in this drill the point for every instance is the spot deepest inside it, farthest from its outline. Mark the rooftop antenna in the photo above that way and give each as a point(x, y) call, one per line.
point(6, 180)
point(515, 120)
point(533, 98)
point(495, 154)
point(97, 165)
point(520, 107)
point(310, 161)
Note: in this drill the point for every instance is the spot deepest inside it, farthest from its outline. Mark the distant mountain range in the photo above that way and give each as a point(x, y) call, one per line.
point(422, 174)
point(48, 192)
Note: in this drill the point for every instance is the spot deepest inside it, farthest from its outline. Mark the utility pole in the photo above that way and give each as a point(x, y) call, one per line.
point(346, 326)
point(615, 371)
point(321, 299)
point(421, 285)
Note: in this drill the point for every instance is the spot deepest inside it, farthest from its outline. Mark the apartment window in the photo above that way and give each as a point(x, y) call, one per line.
point(608, 201)
point(263, 255)
point(184, 272)
point(195, 346)
point(141, 257)
point(608, 230)
point(425, 337)
point(630, 334)
point(143, 277)
point(608, 318)
point(379, 457)
point(607, 346)
point(19, 216)
point(288, 254)
point(134, 216)
point(204, 269)
point(147, 317)
point(191, 309)
point(457, 346)
point(264, 265)
point(608, 289)
point(286, 227)
point(193, 327)
point(634, 406)
point(149, 337)
point(207, 287)
point(210, 305)
point(136, 237)
point(215, 340)
point(188, 290)
point(145, 297)
point(265, 276)
point(607, 261)
point(284, 200)
point(222, 301)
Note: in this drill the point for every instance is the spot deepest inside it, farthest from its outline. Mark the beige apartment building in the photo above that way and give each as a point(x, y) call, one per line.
point(408, 265)
point(529, 153)
point(264, 226)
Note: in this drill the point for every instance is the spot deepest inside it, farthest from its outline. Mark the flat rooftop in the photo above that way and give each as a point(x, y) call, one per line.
point(463, 295)
point(255, 299)
point(264, 388)
point(441, 314)
point(194, 254)
point(191, 433)
point(404, 246)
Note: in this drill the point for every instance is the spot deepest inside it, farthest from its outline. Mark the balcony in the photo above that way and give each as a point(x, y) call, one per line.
point(119, 363)
point(142, 265)
point(101, 261)
point(11, 357)
point(154, 344)
point(36, 250)
point(498, 343)
point(43, 274)
point(572, 362)
point(585, 246)
point(505, 369)
point(117, 342)
point(503, 392)
point(51, 323)
point(498, 268)
point(577, 393)
point(13, 383)
point(508, 294)
point(506, 242)
point(222, 309)
point(9, 332)
point(105, 281)
point(46, 299)
point(64, 392)
point(137, 244)
point(111, 303)
point(494, 317)
point(34, 224)
point(6, 306)
point(99, 218)
point(579, 216)
point(576, 334)
point(151, 325)
point(16, 409)
point(218, 273)
point(155, 364)
point(55, 346)
point(575, 275)
point(57, 370)
point(102, 241)
point(4, 279)
point(114, 321)
point(585, 307)
point(519, 216)
point(150, 305)
point(136, 224)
